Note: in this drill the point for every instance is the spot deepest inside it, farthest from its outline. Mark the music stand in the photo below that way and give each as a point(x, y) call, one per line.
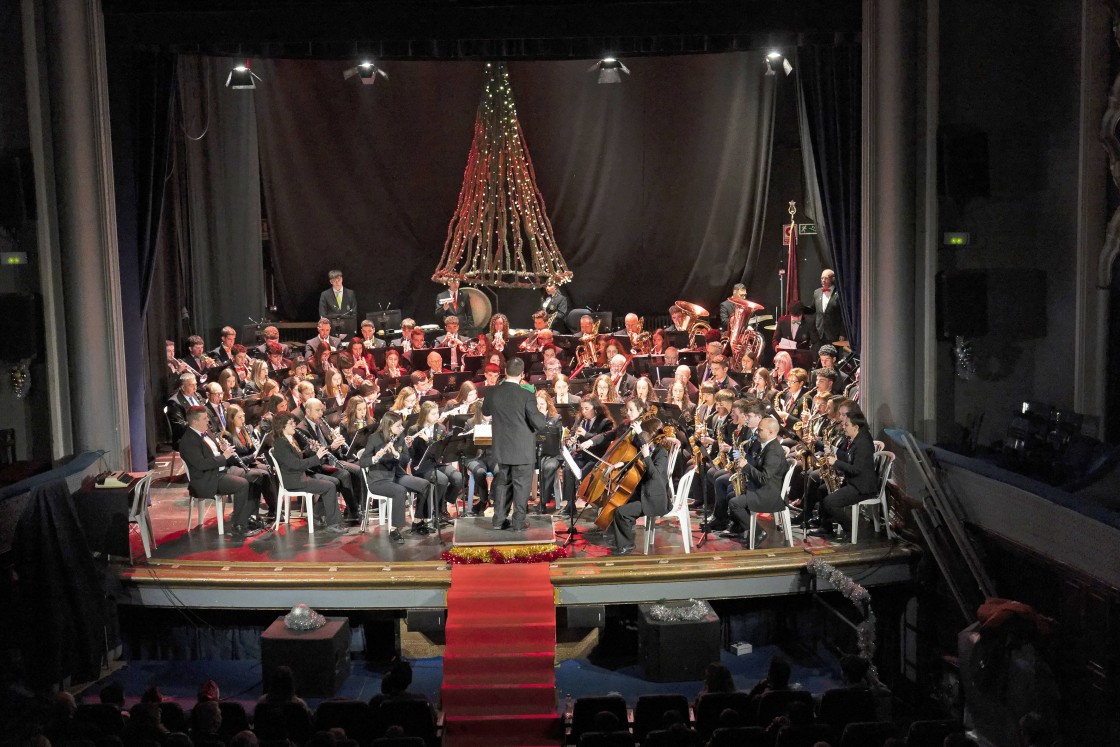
point(279, 375)
point(641, 364)
point(471, 363)
point(691, 357)
point(605, 319)
point(662, 374)
point(677, 339)
point(433, 454)
point(569, 414)
point(447, 382)
point(360, 438)
point(460, 448)
point(567, 343)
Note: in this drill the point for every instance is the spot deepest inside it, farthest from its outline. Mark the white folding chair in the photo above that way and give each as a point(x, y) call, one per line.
point(678, 511)
point(200, 503)
point(284, 500)
point(884, 465)
point(384, 508)
point(138, 514)
point(781, 518)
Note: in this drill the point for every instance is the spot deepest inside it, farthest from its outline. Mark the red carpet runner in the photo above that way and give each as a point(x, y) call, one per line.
point(499, 682)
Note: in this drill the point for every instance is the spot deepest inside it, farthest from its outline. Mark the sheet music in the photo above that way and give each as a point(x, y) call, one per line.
point(571, 463)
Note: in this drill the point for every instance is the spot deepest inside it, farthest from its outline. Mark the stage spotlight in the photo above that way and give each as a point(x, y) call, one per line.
point(608, 68)
point(242, 77)
point(367, 71)
point(775, 60)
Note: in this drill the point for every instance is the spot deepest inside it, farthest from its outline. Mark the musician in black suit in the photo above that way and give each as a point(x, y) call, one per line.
point(826, 309)
point(385, 458)
point(623, 381)
point(765, 476)
point(515, 419)
point(323, 338)
point(794, 327)
point(339, 304)
point(215, 407)
point(555, 302)
point(224, 352)
point(727, 308)
point(347, 475)
point(594, 420)
point(209, 475)
point(650, 498)
point(855, 460)
point(294, 465)
point(195, 357)
point(452, 301)
point(180, 402)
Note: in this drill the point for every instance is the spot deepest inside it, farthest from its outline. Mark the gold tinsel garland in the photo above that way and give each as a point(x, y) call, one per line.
point(504, 554)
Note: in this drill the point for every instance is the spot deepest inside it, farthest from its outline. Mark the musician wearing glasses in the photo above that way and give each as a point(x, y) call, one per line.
point(347, 474)
point(295, 462)
point(215, 407)
point(727, 308)
point(405, 340)
point(181, 402)
point(338, 303)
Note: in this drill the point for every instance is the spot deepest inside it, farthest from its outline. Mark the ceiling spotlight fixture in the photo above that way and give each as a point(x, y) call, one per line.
point(608, 68)
point(367, 71)
point(242, 77)
point(775, 60)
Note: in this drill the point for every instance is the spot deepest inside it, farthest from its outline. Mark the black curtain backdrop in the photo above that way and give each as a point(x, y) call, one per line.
point(656, 188)
point(140, 88)
point(832, 88)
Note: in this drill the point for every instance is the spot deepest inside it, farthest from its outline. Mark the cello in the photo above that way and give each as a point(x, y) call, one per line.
point(608, 488)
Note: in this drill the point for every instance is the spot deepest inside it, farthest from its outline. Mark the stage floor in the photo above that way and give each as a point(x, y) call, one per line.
point(205, 569)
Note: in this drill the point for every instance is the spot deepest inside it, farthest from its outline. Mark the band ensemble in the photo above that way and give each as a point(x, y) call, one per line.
point(606, 420)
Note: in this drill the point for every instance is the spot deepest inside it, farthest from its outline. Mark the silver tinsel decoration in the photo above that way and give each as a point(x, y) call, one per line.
point(964, 361)
point(303, 617)
point(694, 610)
point(861, 598)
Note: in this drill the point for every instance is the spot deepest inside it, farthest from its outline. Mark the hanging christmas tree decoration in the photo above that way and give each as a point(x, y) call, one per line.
point(500, 235)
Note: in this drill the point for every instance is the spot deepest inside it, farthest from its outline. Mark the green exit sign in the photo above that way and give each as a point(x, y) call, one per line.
point(13, 258)
point(807, 229)
point(958, 238)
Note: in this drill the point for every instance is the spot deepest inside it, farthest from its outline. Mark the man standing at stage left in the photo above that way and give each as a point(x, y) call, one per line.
point(515, 418)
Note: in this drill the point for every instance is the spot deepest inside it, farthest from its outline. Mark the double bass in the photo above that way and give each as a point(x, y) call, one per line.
point(609, 488)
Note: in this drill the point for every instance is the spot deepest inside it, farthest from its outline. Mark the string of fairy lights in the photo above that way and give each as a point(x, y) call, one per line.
point(500, 235)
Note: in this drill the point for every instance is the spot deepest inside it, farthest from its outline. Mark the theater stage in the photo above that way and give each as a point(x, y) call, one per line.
point(359, 570)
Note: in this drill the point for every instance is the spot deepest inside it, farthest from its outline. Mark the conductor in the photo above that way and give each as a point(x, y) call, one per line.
point(515, 418)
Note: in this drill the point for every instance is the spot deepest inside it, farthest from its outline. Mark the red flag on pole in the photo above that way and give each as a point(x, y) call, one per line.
point(793, 291)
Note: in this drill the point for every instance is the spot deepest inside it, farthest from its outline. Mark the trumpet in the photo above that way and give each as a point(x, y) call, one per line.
point(499, 342)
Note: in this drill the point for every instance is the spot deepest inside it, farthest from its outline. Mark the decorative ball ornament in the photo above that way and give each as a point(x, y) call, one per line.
point(303, 617)
point(19, 376)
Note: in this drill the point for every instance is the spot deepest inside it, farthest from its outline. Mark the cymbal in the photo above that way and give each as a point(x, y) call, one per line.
point(691, 309)
point(770, 327)
point(841, 344)
point(759, 318)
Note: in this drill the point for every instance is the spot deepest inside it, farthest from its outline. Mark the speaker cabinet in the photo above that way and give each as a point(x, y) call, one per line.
point(676, 650)
point(319, 659)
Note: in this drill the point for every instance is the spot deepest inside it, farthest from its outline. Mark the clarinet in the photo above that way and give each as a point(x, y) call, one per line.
point(305, 442)
point(224, 444)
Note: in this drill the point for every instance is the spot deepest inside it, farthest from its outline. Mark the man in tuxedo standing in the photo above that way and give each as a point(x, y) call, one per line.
point(209, 476)
point(515, 418)
point(339, 304)
point(765, 476)
point(826, 309)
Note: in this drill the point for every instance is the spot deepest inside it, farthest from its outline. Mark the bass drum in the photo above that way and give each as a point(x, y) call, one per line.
point(481, 310)
point(572, 320)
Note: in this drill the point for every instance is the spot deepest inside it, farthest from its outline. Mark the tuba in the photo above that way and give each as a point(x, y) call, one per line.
point(740, 335)
point(694, 320)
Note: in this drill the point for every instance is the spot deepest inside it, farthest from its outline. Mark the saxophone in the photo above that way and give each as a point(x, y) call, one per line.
point(694, 439)
point(829, 476)
point(738, 481)
point(722, 459)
